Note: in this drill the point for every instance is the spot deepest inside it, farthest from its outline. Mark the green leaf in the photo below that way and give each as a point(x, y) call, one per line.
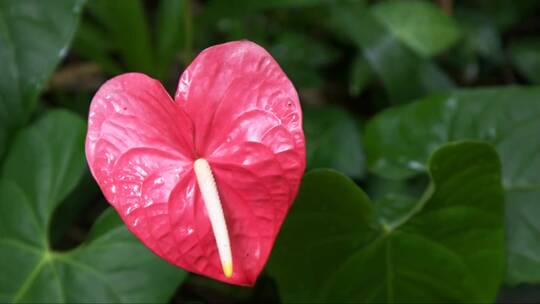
point(447, 248)
point(525, 55)
point(333, 140)
point(127, 29)
point(360, 75)
point(399, 141)
point(405, 74)
point(34, 36)
point(216, 8)
point(505, 13)
point(45, 163)
point(380, 189)
point(281, 3)
point(289, 50)
point(421, 25)
point(146, 49)
point(331, 217)
point(91, 43)
point(70, 210)
point(393, 208)
point(170, 31)
point(481, 34)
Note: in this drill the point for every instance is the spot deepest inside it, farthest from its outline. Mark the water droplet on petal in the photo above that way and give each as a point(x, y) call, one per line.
point(131, 208)
point(158, 181)
point(116, 107)
point(148, 202)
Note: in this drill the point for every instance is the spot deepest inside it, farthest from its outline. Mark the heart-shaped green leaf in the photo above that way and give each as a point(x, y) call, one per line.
point(399, 141)
point(447, 247)
point(34, 36)
point(333, 140)
point(405, 74)
point(43, 165)
point(419, 24)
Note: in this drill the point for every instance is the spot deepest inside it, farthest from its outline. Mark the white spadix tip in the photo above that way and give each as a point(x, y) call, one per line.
point(210, 196)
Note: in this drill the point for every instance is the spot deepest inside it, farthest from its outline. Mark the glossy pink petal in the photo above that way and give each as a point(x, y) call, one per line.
point(234, 107)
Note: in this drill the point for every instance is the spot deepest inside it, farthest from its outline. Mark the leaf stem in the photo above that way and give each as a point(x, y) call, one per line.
point(31, 277)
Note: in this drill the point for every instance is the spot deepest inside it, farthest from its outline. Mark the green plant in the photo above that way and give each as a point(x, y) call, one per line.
point(423, 149)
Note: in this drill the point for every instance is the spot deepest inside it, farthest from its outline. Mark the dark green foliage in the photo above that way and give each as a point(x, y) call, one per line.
point(429, 106)
point(445, 246)
point(399, 141)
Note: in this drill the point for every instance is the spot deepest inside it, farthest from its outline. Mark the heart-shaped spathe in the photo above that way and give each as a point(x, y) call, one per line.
point(235, 108)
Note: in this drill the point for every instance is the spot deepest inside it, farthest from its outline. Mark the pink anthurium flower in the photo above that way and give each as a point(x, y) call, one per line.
point(204, 180)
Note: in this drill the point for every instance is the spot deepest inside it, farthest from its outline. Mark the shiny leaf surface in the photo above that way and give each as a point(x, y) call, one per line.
point(421, 25)
point(399, 141)
point(349, 253)
point(34, 36)
point(118, 18)
point(405, 74)
point(333, 140)
point(50, 153)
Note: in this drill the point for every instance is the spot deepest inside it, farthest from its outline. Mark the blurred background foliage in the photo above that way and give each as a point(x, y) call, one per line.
point(385, 86)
